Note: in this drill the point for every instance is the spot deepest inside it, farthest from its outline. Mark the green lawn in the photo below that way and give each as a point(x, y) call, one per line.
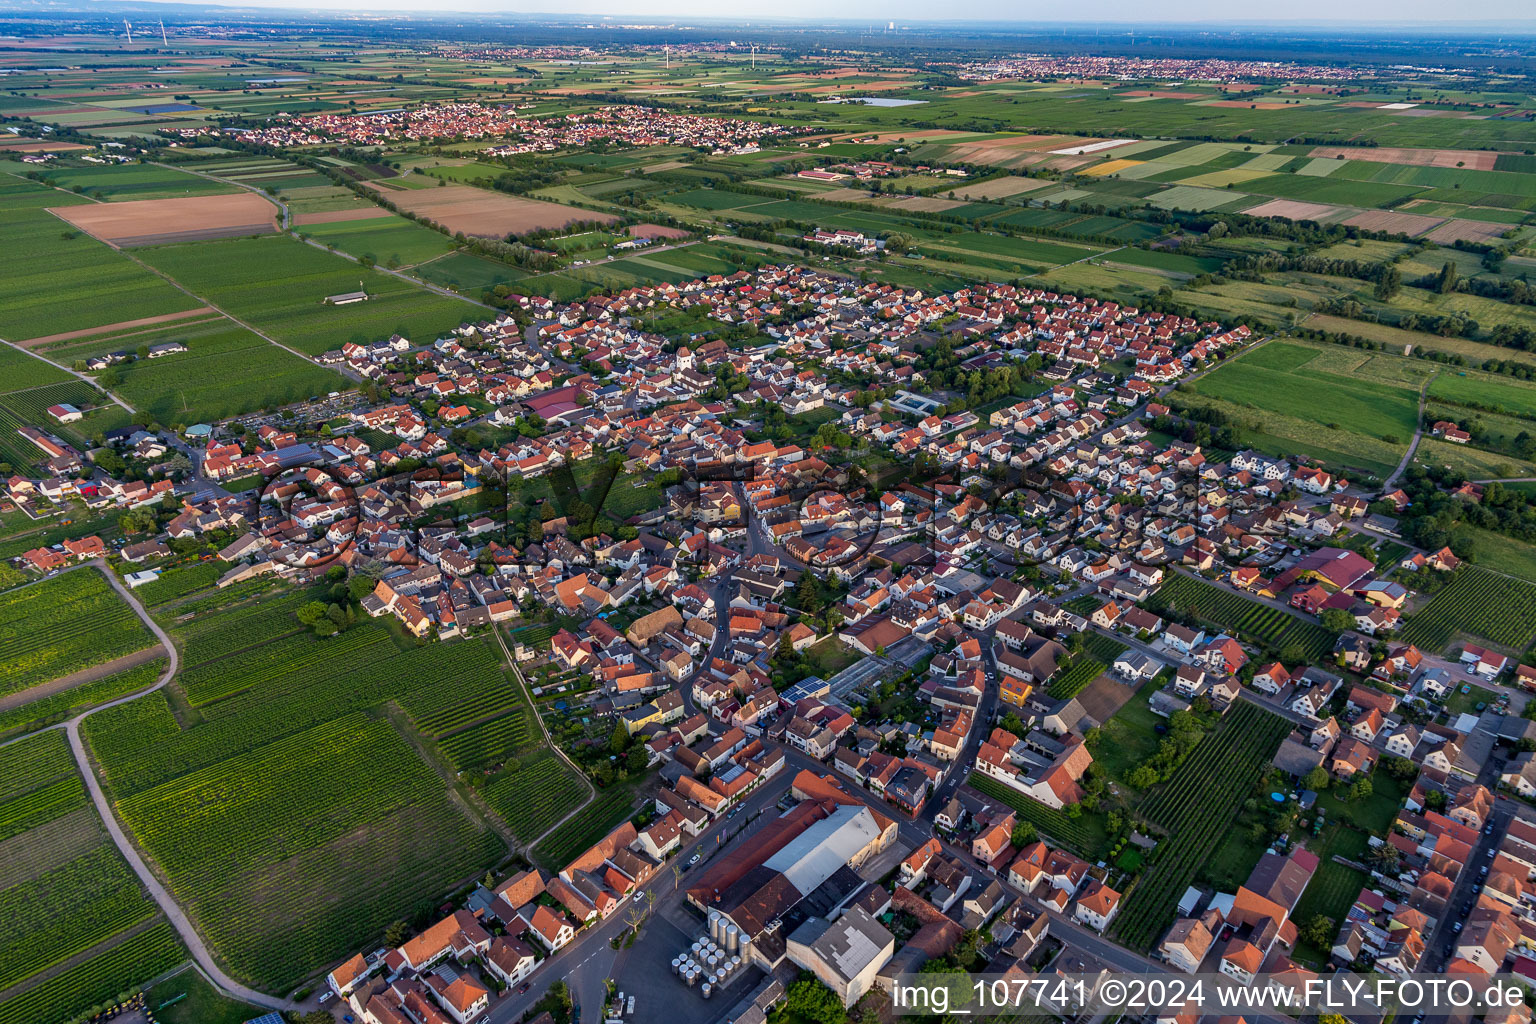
point(187, 998)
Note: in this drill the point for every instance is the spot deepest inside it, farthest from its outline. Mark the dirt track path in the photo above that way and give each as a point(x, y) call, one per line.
point(74, 679)
point(143, 321)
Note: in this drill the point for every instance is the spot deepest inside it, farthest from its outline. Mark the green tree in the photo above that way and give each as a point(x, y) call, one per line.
point(396, 933)
point(1024, 834)
point(1316, 779)
point(1445, 281)
point(809, 999)
point(619, 741)
point(312, 613)
point(1319, 931)
point(1336, 619)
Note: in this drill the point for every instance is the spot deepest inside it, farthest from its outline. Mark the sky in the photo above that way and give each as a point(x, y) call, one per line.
point(1383, 14)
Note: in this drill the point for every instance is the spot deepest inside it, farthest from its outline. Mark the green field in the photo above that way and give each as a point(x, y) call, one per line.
point(389, 241)
point(55, 707)
point(1479, 603)
point(62, 625)
point(227, 371)
point(278, 285)
point(1084, 835)
point(68, 898)
point(596, 820)
point(40, 294)
point(1276, 378)
point(1196, 808)
point(364, 831)
point(1258, 623)
point(131, 181)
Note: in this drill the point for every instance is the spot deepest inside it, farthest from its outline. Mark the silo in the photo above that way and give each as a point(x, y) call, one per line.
point(715, 926)
point(705, 989)
point(677, 965)
point(732, 938)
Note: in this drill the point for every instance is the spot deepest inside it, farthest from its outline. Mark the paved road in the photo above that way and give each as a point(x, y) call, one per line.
point(589, 960)
point(1418, 432)
point(69, 370)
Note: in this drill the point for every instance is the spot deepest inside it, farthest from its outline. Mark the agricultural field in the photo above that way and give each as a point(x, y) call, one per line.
point(270, 708)
point(389, 240)
point(1084, 835)
point(18, 715)
point(1494, 608)
point(476, 211)
point(128, 181)
point(1277, 378)
point(41, 297)
point(227, 371)
point(278, 285)
point(363, 829)
point(160, 221)
point(1292, 638)
point(62, 625)
point(1098, 654)
point(69, 899)
point(605, 813)
point(1195, 808)
point(532, 793)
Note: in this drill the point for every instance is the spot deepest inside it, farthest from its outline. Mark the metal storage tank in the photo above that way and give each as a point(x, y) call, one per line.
point(732, 937)
point(705, 989)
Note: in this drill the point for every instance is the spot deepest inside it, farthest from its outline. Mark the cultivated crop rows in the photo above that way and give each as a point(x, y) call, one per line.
point(1496, 608)
point(38, 783)
point(33, 762)
point(297, 652)
point(596, 820)
point(1076, 678)
point(1197, 807)
point(61, 625)
point(179, 582)
point(67, 910)
point(534, 794)
point(129, 963)
point(40, 805)
point(343, 817)
point(488, 702)
point(116, 733)
point(62, 705)
point(487, 743)
point(1250, 620)
point(1049, 822)
point(214, 636)
point(32, 404)
point(293, 702)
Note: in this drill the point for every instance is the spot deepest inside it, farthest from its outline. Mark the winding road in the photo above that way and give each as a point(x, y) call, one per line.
point(157, 891)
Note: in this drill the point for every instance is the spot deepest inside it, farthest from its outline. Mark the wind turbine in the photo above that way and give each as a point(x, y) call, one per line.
point(163, 40)
point(128, 29)
point(754, 56)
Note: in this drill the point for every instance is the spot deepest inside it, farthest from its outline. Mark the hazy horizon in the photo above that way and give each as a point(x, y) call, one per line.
point(1388, 16)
